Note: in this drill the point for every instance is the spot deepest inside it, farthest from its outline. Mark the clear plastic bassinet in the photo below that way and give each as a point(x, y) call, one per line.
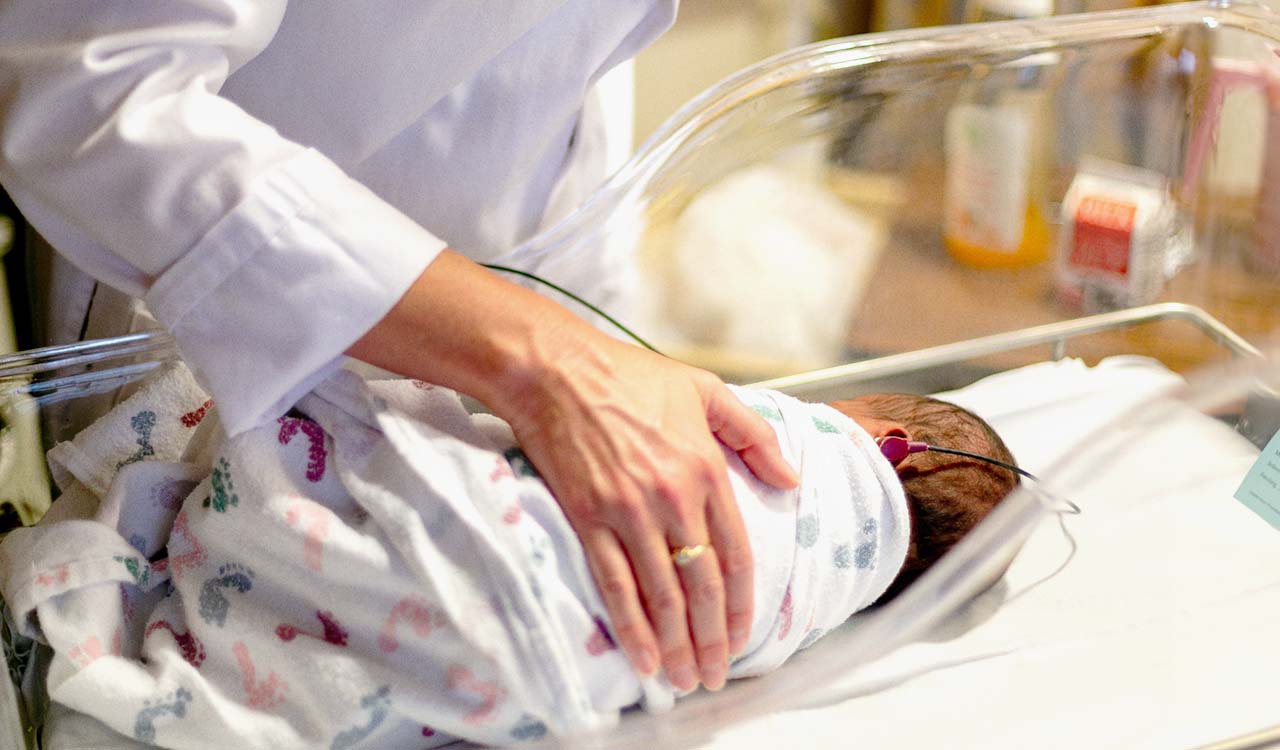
point(790, 227)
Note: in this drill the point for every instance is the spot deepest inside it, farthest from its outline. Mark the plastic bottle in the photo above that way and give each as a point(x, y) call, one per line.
point(995, 143)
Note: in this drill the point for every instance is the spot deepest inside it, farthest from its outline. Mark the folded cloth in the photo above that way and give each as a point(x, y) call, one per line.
point(389, 569)
point(154, 424)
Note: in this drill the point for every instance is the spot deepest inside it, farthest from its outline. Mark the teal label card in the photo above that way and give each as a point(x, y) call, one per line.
point(1260, 490)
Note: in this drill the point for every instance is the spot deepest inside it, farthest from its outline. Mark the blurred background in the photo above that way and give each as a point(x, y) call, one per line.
point(713, 38)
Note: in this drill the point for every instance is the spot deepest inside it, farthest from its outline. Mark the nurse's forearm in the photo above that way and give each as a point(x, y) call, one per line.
point(465, 328)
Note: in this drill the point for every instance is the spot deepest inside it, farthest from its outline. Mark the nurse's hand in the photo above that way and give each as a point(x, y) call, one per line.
point(627, 442)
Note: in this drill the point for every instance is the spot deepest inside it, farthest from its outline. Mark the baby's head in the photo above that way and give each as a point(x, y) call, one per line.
point(946, 495)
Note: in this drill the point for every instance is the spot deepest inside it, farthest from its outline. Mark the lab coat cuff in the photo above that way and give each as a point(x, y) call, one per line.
point(265, 304)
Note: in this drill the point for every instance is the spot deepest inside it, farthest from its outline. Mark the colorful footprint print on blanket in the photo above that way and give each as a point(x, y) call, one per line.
point(224, 491)
point(189, 646)
point(190, 558)
point(333, 632)
point(265, 694)
point(420, 615)
point(58, 576)
point(785, 614)
point(314, 520)
point(461, 680)
point(142, 424)
point(865, 556)
point(90, 650)
point(139, 569)
point(175, 704)
point(377, 704)
point(214, 605)
point(170, 493)
point(193, 418)
point(316, 454)
point(528, 728)
point(600, 640)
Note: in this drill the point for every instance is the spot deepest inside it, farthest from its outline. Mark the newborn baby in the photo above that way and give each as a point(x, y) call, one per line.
point(389, 571)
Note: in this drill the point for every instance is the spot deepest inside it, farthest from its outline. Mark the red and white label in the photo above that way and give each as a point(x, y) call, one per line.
point(1103, 236)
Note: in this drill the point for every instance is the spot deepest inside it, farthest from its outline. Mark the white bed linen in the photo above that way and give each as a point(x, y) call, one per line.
point(1157, 633)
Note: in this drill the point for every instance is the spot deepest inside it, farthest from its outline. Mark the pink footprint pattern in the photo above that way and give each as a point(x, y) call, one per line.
point(264, 695)
point(193, 557)
point(58, 576)
point(90, 650)
point(461, 680)
point(420, 615)
point(314, 521)
point(501, 470)
point(786, 613)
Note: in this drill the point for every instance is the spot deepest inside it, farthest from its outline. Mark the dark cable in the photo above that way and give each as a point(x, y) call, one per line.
point(575, 298)
point(1071, 508)
point(988, 459)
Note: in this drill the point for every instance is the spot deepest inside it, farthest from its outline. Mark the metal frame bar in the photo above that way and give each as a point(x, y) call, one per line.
point(1259, 740)
point(161, 346)
point(48, 358)
point(1056, 334)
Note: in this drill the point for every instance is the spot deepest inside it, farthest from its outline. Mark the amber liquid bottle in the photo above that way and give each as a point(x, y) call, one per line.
point(995, 213)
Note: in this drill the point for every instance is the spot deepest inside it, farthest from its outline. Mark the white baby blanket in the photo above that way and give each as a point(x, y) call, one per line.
point(386, 571)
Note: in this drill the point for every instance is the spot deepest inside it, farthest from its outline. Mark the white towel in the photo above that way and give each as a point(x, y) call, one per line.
point(391, 569)
point(154, 424)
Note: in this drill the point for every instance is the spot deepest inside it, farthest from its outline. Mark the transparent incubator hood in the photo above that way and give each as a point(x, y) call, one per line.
point(831, 204)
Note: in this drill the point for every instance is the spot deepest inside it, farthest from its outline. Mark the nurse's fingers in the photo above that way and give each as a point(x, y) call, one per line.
point(728, 535)
point(612, 572)
point(665, 601)
point(749, 435)
point(704, 591)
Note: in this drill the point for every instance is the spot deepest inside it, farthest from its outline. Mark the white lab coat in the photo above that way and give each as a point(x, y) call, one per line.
point(269, 177)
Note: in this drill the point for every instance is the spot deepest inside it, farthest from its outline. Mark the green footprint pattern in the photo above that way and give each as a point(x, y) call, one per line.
point(224, 495)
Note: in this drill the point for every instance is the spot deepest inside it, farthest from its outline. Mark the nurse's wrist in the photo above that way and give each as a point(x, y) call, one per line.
point(463, 327)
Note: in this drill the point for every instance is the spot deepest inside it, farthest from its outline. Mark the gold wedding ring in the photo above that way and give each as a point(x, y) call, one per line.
point(682, 556)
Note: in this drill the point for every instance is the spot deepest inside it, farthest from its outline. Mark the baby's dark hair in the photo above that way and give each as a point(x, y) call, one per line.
point(946, 495)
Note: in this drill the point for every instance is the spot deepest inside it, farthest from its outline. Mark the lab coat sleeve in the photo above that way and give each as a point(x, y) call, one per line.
point(261, 256)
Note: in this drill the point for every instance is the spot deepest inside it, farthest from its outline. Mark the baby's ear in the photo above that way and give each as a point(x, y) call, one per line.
point(895, 430)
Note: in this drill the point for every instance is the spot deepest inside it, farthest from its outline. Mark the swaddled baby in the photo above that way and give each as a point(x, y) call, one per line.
point(388, 570)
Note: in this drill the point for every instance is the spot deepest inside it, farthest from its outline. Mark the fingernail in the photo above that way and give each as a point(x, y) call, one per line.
point(647, 663)
point(713, 677)
point(684, 677)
